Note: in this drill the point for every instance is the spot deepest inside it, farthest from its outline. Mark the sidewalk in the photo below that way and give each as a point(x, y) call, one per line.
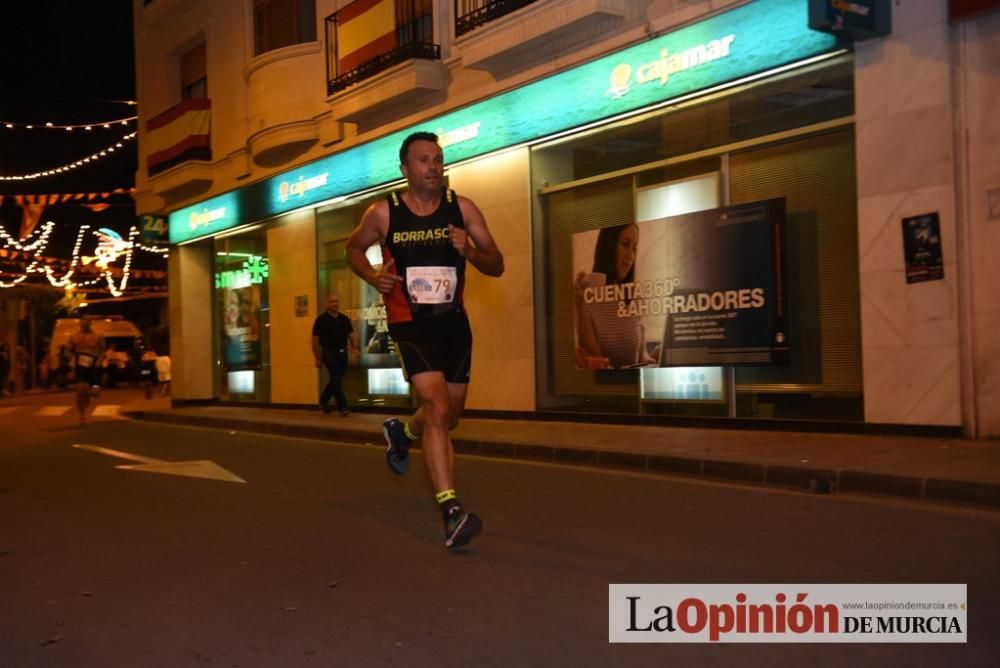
point(937, 470)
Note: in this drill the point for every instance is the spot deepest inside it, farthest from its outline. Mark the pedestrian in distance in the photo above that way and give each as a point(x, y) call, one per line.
point(427, 235)
point(86, 346)
point(147, 371)
point(5, 365)
point(163, 374)
point(62, 373)
point(332, 334)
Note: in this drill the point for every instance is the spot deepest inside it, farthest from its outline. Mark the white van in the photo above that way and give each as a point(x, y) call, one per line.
point(116, 331)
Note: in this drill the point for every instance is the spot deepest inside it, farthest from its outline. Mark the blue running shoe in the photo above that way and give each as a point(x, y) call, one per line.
point(397, 446)
point(460, 528)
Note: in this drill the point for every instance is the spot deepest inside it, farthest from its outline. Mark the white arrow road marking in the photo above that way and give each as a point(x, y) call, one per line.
point(192, 469)
point(52, 411)
point(107, 410)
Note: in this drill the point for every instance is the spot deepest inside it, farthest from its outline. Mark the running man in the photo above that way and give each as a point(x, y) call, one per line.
point(427, 234)
point(86, 347)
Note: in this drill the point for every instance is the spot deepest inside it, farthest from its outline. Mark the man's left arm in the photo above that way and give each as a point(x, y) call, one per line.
point(482, 253)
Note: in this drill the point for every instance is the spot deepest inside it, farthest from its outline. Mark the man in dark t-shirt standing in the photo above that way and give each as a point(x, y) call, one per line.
point(332, 333)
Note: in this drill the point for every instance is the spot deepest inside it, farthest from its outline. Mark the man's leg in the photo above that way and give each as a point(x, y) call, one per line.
point(433, 415)
point(456, 404)
point(337, 381)
point(82, 399)
point(324, 397)
point(441, 403)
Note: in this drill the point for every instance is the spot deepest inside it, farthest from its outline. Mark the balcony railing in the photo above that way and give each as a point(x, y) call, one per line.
point(470, 14)
point(413, 37)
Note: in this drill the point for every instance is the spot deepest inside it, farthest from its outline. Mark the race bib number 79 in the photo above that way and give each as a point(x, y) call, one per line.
point(431, 285)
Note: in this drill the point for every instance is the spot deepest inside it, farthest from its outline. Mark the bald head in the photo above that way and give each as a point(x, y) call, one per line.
point(333, 303)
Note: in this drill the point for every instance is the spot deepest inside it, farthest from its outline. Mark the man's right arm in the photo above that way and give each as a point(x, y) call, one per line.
point(317, 353)
point(373, 228)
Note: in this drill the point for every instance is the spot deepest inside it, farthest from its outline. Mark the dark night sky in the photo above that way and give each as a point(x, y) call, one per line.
point(63, 61)
point(66, 62)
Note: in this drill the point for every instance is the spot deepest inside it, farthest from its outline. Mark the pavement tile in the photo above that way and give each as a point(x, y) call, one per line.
point(577, 456)
point(623, 460)
point(880, 483)
point(820, 481)
point(751, 472)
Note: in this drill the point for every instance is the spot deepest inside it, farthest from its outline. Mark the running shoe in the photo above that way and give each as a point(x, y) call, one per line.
point(460, 528)
point(397, 446)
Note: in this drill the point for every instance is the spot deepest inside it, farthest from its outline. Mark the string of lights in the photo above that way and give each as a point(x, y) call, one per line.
point(13, 125)
point(70, 166)
point(109, 248)
point(43, 237)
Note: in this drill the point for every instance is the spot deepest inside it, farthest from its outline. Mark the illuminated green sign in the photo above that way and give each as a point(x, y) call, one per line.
point(256, 270)
point(750, 39)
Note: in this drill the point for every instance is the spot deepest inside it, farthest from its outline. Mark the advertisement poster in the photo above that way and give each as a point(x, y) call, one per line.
point(922, 248)
point(378, 351)
point(699, 289)
point(241, 327)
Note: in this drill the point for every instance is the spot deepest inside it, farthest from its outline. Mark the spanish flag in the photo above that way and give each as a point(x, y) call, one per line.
point(180, 133)
point(365, 29)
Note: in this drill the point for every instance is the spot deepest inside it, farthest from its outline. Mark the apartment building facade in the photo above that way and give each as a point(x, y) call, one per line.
point(842, 173)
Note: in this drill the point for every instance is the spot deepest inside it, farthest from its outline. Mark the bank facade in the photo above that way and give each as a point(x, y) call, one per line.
point(560, 119)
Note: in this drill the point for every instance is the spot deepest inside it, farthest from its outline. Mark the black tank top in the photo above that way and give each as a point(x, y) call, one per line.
point(433, 272)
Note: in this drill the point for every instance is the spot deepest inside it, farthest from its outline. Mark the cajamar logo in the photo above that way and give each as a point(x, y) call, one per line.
point(661, 69)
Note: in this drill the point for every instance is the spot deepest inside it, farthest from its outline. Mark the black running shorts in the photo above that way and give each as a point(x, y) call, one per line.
point(86, 369)
point(439, 343)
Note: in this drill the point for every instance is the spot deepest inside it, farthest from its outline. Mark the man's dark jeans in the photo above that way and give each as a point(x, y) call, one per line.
point(335, 362)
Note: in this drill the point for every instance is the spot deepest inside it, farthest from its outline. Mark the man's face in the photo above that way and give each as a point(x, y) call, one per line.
point(333, 303)
point(424, 167)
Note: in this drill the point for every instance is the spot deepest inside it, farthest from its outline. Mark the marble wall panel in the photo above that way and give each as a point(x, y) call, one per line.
point(189, 276)
point(501, 310)
point(906, 166)
point(880, 239)
point(912, 385)
point(503, 385)
point(905, 151)
point(904, 314)
point(291, 249)
point(987, 373)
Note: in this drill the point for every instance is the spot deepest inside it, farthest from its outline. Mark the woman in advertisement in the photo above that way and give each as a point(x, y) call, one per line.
point(604, 339)
point(241, 327)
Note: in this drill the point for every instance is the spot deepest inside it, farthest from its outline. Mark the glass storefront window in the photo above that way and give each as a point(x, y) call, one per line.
point(787, 139)
point(377, 379)
point(242, 316)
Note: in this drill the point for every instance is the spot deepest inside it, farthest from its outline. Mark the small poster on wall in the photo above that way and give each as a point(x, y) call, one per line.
point(301, 306)
point(922, 248)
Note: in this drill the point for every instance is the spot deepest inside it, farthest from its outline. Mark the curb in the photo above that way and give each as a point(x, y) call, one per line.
point(803, 479)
